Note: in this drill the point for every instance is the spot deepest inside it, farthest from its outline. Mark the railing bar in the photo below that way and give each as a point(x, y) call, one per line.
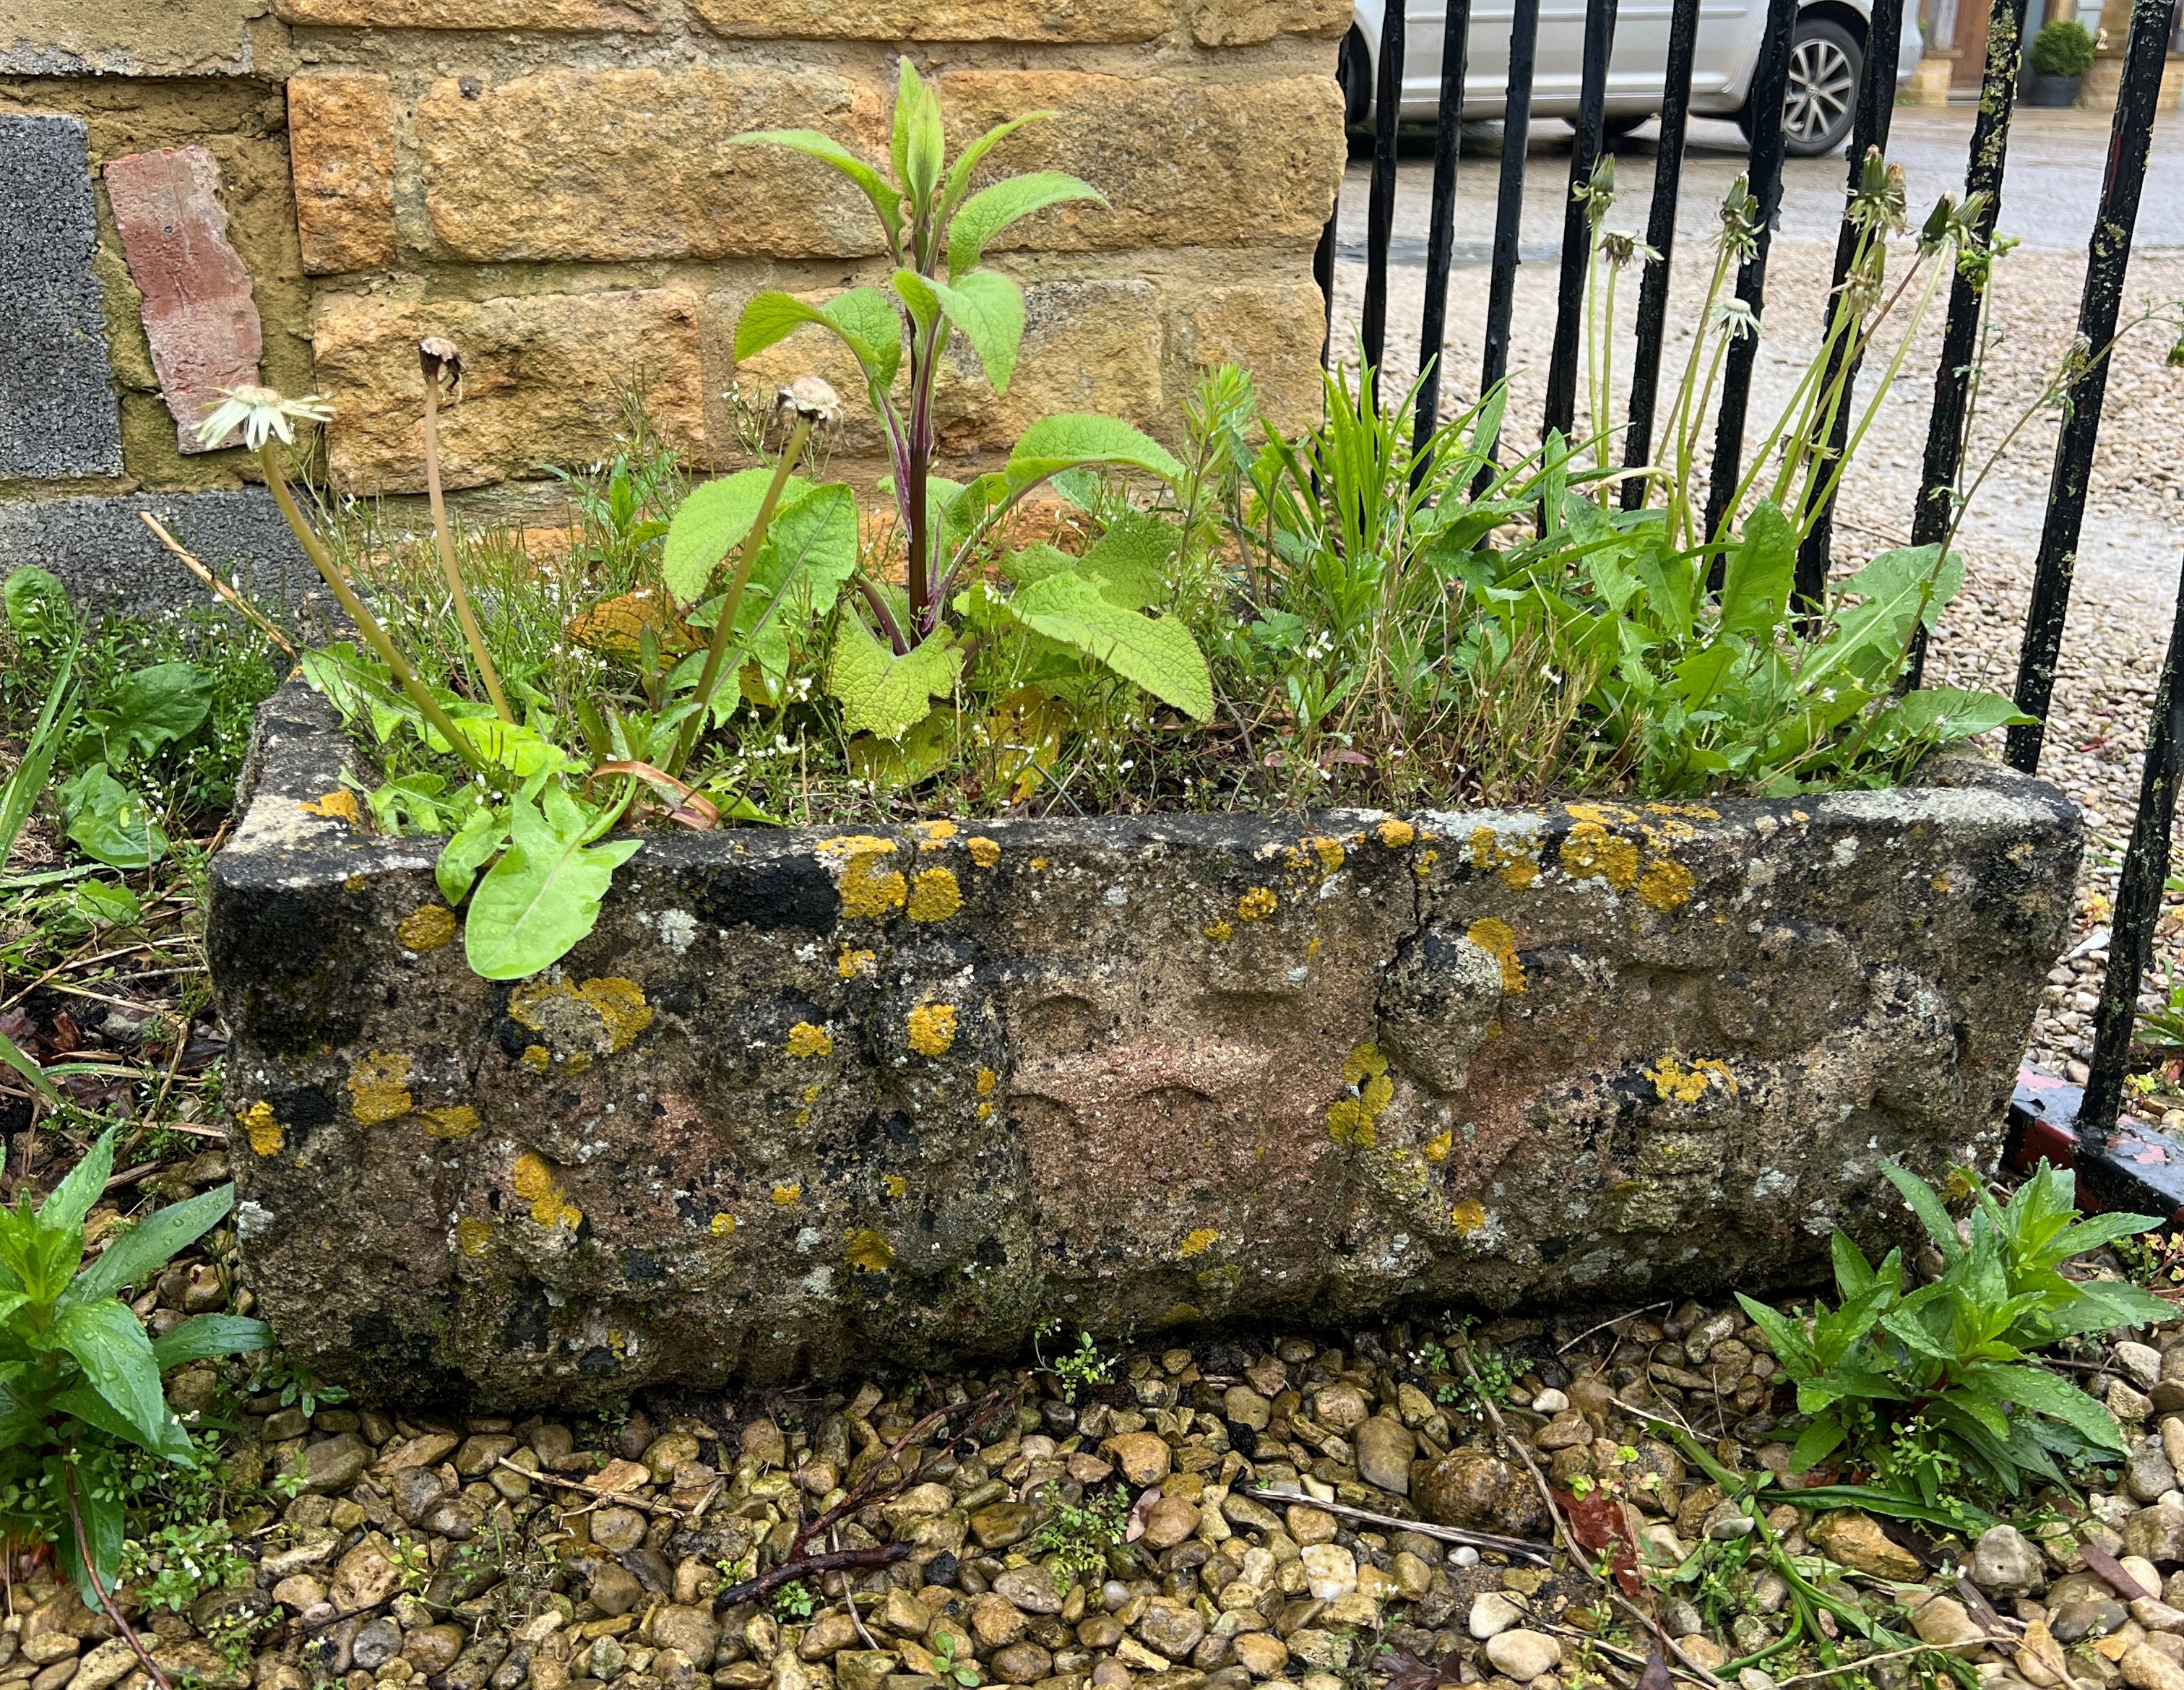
point(1983, 175)
point(1769, 88)
point(1876, 103)
point(1576, 220)
point(1380, 210)
point(2138, 900)
point(1322, 274)
point(1509, 205)
point(1441, 235)
point(1660, 237)
point(2108, 257)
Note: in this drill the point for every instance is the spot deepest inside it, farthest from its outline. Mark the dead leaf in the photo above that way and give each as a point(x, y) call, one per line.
point(1405, 1670)
point(1597, 1522)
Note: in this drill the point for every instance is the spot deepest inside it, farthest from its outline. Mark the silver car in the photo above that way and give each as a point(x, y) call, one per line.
point(1827, 58)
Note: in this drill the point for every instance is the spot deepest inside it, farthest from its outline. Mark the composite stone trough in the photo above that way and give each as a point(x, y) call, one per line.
point(812, 1098)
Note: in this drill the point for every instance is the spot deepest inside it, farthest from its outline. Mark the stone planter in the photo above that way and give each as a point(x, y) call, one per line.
point(812, 1098)
point(2043, 90)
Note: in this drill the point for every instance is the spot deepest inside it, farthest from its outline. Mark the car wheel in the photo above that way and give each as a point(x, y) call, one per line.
point(1353, 70)
point(1615, 130)
point(1825, 64)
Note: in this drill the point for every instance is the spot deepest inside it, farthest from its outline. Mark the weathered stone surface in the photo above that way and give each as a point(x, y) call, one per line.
point(1180, 164)
point(121, 38)
point(1246, 23)
point(1139, 1066)
point(1272, 327)
point(110, 561)
point(1008, 20)
point(58, 416)
point(542, 379)
point(199, 314)
point(340, 147)
point(570, 164)
point(565, 15)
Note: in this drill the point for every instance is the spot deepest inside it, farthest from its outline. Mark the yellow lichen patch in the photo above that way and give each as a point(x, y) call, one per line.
point(811, 1092)
point(534, 1182)
point(1395, 834)
point(868, 1253)
point(1592, 853)
point(1197, 1243)
point(723, 1225)
point(1467, 1216)
point(1255, 905)
point(806, 1040)
point(893, 1184)
point(1350, 1120)
point(1425, 862)
point(869, 888)
point(599, 1016)
point(1312, 948)
point(1499, 941)
point(1669, 832)
point(1219, 931)
point(933, 1029)
point(1700, 812)
point(985, 852)
point(426, 927)
point(1328, 851)
point(988, 1079)
point(536, 1059)
point(1518, 877)
point(473, 1236)
point(354, 883)
point(379, 1086)
point(1677, 1082)
point(1038, 865)
point(1438, 1147)
point(934, 895)
point(454, 1121)
point(1941, 883)
point(335, 806)
point(266, 1137)
point(851, 963)
point(785, 1196)
point(1666, 884)
point(985, 1112)
point(1602, 815)
point(935, 834)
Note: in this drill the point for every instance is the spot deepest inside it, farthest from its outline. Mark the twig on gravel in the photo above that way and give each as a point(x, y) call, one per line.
point(1632, 1314)
point(622, 1497)
point(1524, 1452)
point(1611, 1650)
point(846, 1560)
point(1541, 1553)
point(1860, 1666)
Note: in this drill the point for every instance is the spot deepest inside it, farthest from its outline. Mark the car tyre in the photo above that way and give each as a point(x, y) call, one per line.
point(1353, 72)
point(1826, 63)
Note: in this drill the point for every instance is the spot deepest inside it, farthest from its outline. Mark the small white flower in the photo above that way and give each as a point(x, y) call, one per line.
point(260, 413)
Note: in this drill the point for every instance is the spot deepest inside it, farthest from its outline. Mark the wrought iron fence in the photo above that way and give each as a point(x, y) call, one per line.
point(2098, 1147)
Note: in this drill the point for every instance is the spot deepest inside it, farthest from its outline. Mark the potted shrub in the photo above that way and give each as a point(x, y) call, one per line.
point(1246, 874)
point(2061, 54)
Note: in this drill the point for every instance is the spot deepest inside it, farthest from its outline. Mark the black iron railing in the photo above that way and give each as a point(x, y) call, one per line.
point(2146, 862)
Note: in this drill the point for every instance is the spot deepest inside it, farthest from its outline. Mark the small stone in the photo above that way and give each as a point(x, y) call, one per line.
point(1330, 1571)
point(689, 1629)
point(2005, 1563)
point(2141, 1362)
point(1170, 1627)
point(377, 1644)
point(107, 1666)
point(667, 1452)
point(1550, 1402)
point(1002, 1523)
point(1031, 1588)
point(1308, 1524)
point(364, 1578)
point(826, 1636)
point(1944, 1623)
point(615, 1589)
point(432, 1649)
point(1856, 1541)
point(1492, 1614)
point(617, 1529)
point(426, 1449)
point(1471, 1489)
point(1170, 1521)
point(1247, 1407)
point(996, 1622)
point(1523, 1655)
point(1339, 1408)
point(1143, 1457)
point(2147, 1475)
point(299, 1591)
point(2127, 1402)
point(2095, 1617)
point(1021, 1664)
point(335, 1464)
point(2146, 1668)
point(2156, 1533)
point(1385, 1448)
point(1261, 1653)
point(1705, 1653)
point(2157, 1615)
point(1726, 1522)
point(862, 1669)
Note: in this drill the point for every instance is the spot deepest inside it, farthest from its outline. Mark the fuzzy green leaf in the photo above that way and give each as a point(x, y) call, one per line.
point(1158, 655)
point(886, 200)
point(1055, 444)
point(151, 1244)
point(203, 1336)
point(884, 694)
point(711, 522)
point(1757, 576)
point(992, 209)
point(919, 142)
point(988, 310)
point(544, 895)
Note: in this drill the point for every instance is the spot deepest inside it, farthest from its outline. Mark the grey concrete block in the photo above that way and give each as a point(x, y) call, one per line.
point(111, 562)
point(59, 415)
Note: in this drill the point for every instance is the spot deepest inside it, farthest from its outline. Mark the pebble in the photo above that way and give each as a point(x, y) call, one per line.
point(1522, 1654)
point(1492, 1614)
point(2005, 1563)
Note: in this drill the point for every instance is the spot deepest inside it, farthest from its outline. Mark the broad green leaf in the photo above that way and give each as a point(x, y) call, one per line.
point(884, 694)
point(969, 159)
point(872, 325)
point(203, 1336)
point(109, 821)
point(1055, 444)
point(1926, 1204)
point(72, 1199)
point(711, 522)
point(811, 551)
point(149, 1245)
point(1158, 655)
point(105, 1526)
point(1853, 1273)
point(1132, 561)
point(116, 1356)
point(1947, 713)
point(510, 745)
point(988, 310)
point(157, 705)
point(887, 201)
point(1036, 561)
point(924, 752)
point(544, 895)
point(38, 604)
point(1757, 574)
point(469, 850)
point(919, 143)
point(992, 209)
point(1820, 1440)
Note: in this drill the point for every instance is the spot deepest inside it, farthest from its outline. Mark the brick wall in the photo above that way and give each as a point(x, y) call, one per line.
point(548, 183)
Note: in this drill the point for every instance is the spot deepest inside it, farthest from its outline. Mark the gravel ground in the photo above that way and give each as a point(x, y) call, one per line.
point(2126, 582)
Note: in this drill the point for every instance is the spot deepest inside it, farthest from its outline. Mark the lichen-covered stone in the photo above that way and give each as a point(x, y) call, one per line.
point(1151, 1071)
point(341, 146)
